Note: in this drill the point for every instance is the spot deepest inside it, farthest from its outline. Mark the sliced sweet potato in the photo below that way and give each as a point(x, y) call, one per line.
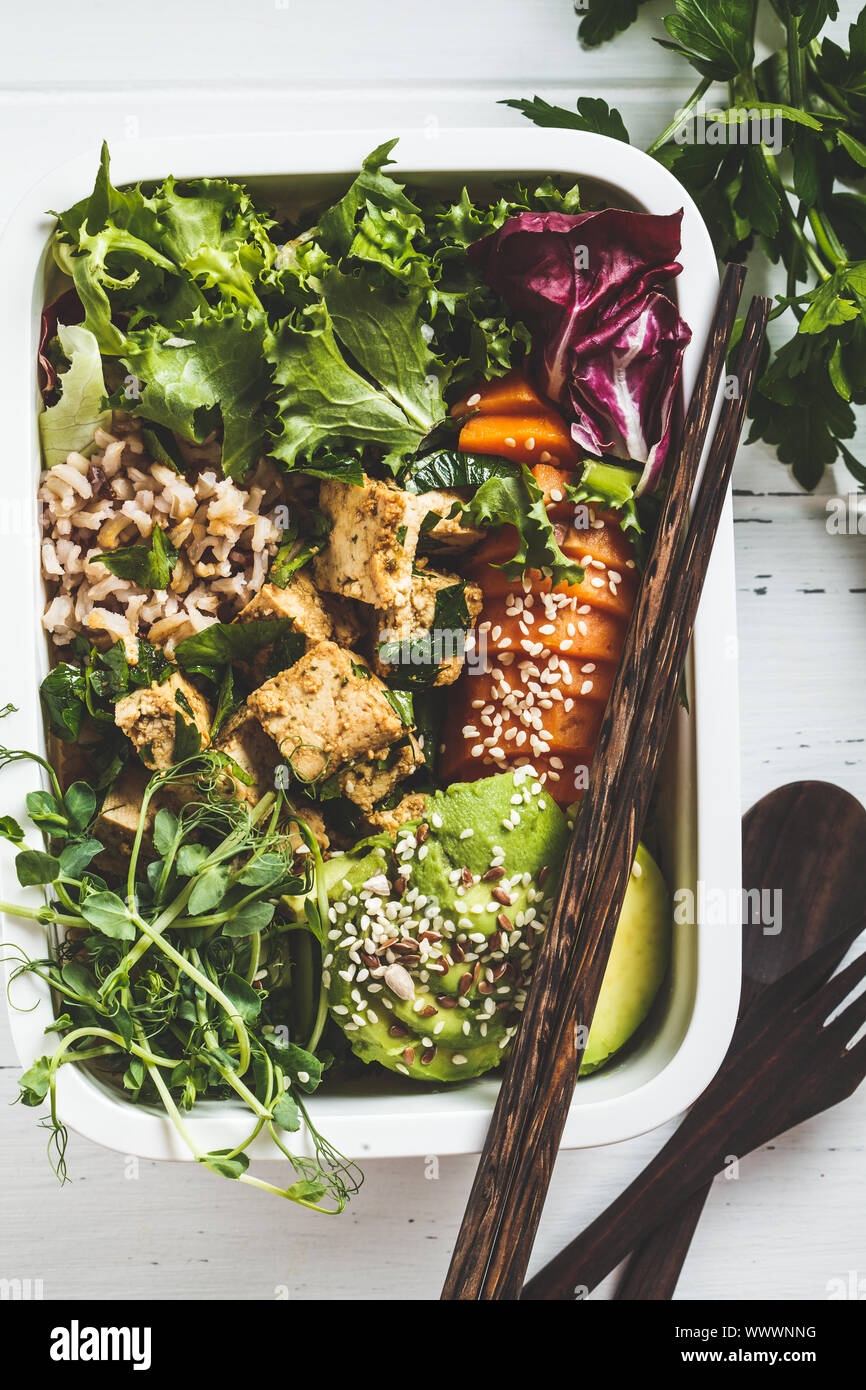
point(541, 438)
point(531, 649)
point(512, 394)
point(606, 589)
point(596, 635)
point(553, 482)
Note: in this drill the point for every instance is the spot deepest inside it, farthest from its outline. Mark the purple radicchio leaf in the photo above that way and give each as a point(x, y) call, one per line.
point(624, 381)
point(586, 285)
point(66, 309)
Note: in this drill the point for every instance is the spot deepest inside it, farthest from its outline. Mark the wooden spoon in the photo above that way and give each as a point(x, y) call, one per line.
point(805, 840)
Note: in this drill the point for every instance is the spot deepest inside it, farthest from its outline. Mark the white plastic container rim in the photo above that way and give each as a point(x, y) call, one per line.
point(384, 1119)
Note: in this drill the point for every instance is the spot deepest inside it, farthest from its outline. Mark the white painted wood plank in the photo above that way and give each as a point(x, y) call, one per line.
point(290, 41)
point(293, 43)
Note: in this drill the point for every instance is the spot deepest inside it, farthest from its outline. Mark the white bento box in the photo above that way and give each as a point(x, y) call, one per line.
point(698, 819)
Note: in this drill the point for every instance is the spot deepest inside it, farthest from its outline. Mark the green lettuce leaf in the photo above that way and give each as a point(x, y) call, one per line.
point(474, 335)
point(209, 370)
point(73, 421)
point(159, 259)
point(322, 400)
point(611, 486)
point(519, 502)
point(212, 231)
point(376, 222)
point(109, 244)
point(382, 331)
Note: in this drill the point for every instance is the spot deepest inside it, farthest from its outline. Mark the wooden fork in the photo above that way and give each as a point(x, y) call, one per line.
point(791, 1061)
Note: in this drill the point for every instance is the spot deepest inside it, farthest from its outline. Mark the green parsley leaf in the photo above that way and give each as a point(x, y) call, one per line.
point(592, 114)
point(150, 566)
point(605, 18)
point(716, 39)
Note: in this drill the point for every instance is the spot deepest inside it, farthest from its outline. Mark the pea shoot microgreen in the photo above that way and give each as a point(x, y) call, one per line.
point(169, 980)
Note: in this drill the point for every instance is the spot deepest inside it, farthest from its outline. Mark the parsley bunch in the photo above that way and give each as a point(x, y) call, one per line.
point(804, 207)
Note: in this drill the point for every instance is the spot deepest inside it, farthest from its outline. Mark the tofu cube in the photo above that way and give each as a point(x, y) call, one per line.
point(116, 825)
point(368, 783)
point(313, 817)
point(416, 618)
point(449, 532)
point(244, 741)
point(412, 807)
point(320, 617)
point(327, 710)
point(147, 717)
point(372, 542)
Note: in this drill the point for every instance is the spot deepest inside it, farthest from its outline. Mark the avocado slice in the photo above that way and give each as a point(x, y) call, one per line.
point(431, 938)
point(637, 965)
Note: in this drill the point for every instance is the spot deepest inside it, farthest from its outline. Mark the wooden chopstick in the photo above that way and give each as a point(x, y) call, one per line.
point(492, 1183)
point(492, 1180)
point(576, 1000)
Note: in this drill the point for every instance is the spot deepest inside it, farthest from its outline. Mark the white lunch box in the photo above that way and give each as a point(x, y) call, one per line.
point(698, 817)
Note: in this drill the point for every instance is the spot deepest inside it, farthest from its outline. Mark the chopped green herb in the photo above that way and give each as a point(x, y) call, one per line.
point(149, 566)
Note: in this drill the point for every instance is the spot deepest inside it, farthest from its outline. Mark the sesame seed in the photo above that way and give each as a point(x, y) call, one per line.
point(467, 833)
point(544, 456)
point(474, 398)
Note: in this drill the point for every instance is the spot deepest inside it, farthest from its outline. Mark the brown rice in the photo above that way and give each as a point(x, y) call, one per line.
point(225, 536)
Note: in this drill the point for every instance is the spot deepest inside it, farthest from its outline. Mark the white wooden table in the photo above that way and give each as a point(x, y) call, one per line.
point(796, 1217)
